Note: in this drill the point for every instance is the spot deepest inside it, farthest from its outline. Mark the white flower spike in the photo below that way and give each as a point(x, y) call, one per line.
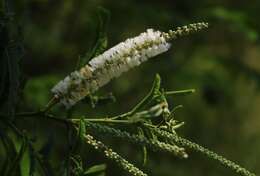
point(113, 62)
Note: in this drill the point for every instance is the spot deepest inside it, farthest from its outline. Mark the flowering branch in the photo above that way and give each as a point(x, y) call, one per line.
point(144, 116)
point(113, 62)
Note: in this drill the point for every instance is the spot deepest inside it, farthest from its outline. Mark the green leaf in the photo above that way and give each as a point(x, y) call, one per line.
point(77, 165)
point(80, 136)
point(101, 44)
point(9, 148)
point(154, 92)
point(95, 169)
point(15, 164)
point(101, 41)
point(82, 129)
point(25, 164)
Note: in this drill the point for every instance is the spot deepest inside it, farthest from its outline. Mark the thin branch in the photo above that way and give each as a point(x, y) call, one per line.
point(50, 104)
point(179, 92)
point(105, 120)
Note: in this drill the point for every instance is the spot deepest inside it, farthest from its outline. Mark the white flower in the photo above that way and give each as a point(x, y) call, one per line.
point(113, 62)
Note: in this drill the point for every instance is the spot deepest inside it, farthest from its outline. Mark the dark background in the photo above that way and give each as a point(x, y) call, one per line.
point(221, 63)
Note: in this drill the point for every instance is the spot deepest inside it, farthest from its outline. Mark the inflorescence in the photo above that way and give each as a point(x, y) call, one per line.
point(113, 62)
point(110, 154)
point(188, 144)
point(140, 140)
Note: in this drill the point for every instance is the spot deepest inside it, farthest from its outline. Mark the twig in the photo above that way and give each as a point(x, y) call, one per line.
point(179, 92)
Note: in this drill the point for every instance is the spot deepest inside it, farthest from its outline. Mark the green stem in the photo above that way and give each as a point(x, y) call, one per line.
point(179, 92)
point(105, 120)
point(49, 105)
point(122, 115)
point(73, 120)
point(137, 107)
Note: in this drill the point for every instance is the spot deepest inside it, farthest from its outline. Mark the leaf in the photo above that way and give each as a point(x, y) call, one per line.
point(82, 130)
point(101, 41)
point(25, 163)
point(15, 164)
point(154, 92)
point(77, 165)
point(95, 169)
point(80, 136)
point(8, 147)
point(101, 44)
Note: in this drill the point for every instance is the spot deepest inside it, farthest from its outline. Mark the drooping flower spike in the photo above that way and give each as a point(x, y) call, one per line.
point(113, 62)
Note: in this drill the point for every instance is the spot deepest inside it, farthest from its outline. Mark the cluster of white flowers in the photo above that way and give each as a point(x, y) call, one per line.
point(113, 62)
point(108, 65)
point(129, 54)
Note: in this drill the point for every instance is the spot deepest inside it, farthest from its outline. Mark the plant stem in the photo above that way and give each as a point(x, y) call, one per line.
point(73, 120)
point(121, 115)
point(179, 92)
point(105, 120)
point(50, 104)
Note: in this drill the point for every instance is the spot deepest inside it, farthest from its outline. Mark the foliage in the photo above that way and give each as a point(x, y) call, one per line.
point(150, 124)
point(11, 51)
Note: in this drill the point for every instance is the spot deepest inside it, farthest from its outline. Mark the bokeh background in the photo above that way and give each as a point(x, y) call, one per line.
point(221, 63)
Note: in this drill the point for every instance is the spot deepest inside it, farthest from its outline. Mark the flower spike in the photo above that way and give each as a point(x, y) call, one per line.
point(113, 62)
point(185, 30)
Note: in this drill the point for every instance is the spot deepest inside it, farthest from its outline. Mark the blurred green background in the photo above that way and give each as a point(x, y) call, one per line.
point(221, 63)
